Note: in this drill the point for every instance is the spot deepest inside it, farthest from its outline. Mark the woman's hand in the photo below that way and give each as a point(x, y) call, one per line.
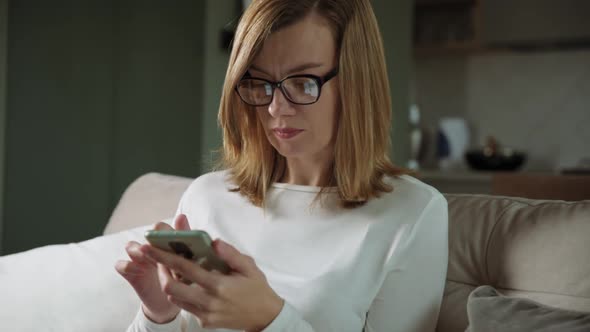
point(242, 300)
point(141, 272)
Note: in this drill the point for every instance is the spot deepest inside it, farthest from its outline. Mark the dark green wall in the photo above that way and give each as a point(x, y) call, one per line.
point(395, 22)
point(219, 13)
point(58, 122)
point(3, 26)
point(159, 89)
point(100, 92)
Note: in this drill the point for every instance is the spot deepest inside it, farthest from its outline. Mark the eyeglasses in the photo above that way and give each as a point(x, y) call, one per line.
point(298, 89)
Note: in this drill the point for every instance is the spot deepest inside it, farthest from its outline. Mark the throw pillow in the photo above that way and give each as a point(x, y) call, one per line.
point(489, 310)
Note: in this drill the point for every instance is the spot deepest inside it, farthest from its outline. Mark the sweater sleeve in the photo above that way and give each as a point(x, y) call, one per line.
point(288, 320)
point(142, 324)
point(184, 322)
point(411, 294)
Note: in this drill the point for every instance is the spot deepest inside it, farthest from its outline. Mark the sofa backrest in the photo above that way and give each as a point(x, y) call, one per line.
point(527, 248)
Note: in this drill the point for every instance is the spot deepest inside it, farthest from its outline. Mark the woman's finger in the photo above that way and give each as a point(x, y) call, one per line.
point(165, 277)
point(207, 319)
point(162, 226)
point(188, 269)
point(181, 223)
point(198, 297)
point(136, 255)
point(127, 268)
point(171, 284)
point(188, 306)
point(192, 294)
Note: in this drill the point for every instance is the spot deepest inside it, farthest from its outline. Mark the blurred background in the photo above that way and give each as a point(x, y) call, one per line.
point(500, 97)
point(95, 93)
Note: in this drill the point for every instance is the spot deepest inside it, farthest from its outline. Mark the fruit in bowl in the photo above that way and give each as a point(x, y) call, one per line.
point(492, 157)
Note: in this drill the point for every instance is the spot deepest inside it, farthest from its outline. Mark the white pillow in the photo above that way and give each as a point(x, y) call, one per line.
point(70, 287)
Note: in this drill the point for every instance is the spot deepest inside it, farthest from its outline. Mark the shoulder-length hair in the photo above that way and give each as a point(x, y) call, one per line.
point(362, 141)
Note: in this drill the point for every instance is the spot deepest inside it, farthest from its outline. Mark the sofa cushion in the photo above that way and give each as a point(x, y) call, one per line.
point(536, 249)
point(488, 310)
point(149, 199)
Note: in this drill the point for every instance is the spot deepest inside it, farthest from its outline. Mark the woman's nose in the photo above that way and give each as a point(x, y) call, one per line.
point(280, 105)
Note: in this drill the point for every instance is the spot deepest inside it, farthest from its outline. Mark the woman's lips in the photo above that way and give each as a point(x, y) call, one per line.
point(286, 133)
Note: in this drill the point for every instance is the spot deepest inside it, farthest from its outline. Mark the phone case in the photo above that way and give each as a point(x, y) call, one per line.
point(194, 245)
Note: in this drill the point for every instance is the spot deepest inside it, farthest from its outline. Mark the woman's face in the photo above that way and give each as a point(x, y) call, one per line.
point(300, 131)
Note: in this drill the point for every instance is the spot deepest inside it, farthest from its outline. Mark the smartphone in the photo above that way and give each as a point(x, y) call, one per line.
point(194, 245)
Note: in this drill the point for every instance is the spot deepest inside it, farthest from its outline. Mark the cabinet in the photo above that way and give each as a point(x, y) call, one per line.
point(531, 23)
point(468, 26)
point(446, 26)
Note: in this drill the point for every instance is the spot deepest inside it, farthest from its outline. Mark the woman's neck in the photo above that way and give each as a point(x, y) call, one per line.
point(306, 172)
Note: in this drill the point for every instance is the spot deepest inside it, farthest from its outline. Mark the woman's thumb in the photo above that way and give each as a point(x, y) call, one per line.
point(181, 223)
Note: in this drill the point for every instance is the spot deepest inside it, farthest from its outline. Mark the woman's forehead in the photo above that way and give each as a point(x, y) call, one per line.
point(308, 42)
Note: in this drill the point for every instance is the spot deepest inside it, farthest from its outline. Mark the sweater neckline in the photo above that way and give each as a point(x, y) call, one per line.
point(297, 187)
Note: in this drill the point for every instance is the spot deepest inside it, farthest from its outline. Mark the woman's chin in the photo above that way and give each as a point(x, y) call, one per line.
point(290, 153)
point(287, 150)
point(296, 151)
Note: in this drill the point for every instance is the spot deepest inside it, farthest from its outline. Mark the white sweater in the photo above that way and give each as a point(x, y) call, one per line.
point(377, 268)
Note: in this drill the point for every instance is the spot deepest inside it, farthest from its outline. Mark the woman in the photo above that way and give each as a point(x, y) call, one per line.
point(321, 231)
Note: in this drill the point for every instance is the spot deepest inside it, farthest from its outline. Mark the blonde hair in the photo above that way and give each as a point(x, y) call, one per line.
point(362, 140)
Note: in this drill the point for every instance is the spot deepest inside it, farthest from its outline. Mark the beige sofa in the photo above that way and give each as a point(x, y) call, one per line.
point(528, 248)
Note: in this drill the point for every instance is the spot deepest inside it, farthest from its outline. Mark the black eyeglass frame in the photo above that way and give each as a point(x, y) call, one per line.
point(320, 81)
